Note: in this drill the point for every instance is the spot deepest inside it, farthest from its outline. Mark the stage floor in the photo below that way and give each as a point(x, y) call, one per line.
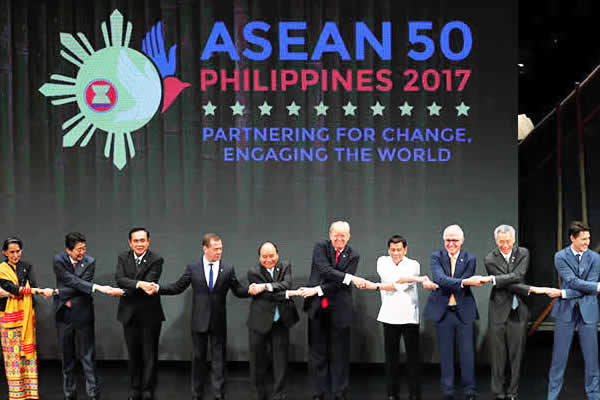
point(367, 381)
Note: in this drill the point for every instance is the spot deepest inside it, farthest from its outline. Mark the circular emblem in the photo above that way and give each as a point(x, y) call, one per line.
point(100, 95)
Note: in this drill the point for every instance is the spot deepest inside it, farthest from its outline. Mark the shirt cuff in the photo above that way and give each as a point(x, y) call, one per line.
point(564, 293)
point(347, 279)
point(397, 287)
point(269, 288)
point(137, 284)
point(287, 295)
point(461, 285)
point(598, 289)
point(493, 280)
point(319, 291)
point(94, 287)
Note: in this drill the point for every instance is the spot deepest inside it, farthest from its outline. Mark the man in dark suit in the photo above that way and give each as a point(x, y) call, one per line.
point(211, 279)
point(508, 312)
point(453, 308)
point(579, 270)
point(74, 308)
point(271, 315)
point(329, 307)
point(141, 314)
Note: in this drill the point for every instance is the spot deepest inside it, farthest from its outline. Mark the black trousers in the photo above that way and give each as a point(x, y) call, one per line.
point(79, 338)
point(391, 338)
point(329, 355)
point(199, 363)
point(507, 343)
point(278, 339)
point(142, 347)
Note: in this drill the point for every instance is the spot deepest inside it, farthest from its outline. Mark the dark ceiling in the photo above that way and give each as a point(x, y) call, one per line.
point(559, 44)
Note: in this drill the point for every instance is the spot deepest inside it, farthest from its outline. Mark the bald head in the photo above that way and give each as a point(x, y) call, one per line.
point(268, 255)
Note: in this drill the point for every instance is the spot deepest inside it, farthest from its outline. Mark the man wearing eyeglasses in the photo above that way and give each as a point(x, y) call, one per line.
point(454, 311)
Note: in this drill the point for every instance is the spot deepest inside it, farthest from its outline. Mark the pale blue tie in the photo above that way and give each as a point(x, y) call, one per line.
point(515, 301)
point(276, 316)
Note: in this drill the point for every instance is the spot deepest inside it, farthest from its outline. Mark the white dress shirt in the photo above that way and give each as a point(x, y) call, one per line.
point(215, 268)
point(400, 306)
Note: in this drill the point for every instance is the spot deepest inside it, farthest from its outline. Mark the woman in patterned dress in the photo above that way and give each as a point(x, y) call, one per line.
point(17, 321)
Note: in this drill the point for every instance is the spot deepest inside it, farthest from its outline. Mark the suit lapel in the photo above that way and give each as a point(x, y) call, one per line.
point(460, 264)
point(265, 274)
point(446, 263)
point(219, 276)
point(277, 273)
point(572, 261)
point(144, 265)
point(584, 263)
point(80, 267)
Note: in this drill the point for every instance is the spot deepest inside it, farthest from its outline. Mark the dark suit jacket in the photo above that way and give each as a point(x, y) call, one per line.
point(135, 301)
point(442, 275)
point(24, 274)
point(580, 282)
point(74, 285)
point(330, 277)
point(208, 307)
point(510, 280)
point(262, 306)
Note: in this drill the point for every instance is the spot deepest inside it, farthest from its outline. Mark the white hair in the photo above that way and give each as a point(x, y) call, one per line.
point(341, 225)
point(504, 229)
point(453, 229)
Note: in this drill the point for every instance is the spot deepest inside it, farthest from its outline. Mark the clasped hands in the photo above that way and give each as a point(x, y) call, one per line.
point(109, 290)
point(477, 280)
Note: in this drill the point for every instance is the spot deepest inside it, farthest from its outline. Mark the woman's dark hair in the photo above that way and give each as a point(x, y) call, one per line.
point(12, 239)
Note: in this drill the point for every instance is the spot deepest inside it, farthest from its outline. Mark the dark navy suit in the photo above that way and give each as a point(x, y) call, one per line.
point(454, 325)
point(578, 310)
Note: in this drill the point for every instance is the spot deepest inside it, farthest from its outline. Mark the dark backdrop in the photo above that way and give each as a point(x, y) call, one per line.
point(180, 187)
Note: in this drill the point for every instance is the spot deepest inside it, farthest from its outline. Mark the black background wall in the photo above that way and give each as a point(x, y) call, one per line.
point(180, 187)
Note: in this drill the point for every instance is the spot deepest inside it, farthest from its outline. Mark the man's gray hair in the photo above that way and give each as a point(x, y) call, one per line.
point(504, 229)
point(453, 229)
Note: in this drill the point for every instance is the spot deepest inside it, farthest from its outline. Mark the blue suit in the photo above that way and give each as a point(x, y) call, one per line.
point(454, 325)
point(578, 310)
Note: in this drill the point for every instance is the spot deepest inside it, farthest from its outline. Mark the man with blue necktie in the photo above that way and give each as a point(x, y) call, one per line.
point(271, 316)
point(579, 269)
point(211, 279)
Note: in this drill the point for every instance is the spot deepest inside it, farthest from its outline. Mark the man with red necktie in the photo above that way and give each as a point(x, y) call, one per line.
point(328, 302)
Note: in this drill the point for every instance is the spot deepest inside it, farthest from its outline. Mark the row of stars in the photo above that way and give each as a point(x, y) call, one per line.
point(349, 109)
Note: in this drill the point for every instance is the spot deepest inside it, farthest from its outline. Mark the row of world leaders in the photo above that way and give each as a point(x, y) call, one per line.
point(328, 303)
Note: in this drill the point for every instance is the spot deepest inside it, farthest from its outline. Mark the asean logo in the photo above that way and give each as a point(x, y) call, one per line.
point(117, 89)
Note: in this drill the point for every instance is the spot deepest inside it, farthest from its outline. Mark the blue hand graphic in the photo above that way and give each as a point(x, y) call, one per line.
point(154, 47)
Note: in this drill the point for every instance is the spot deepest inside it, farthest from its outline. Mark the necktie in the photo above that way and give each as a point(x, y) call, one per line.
point(210, 278)
point(515, 300)
point(276, 315)
point(68, 302)
point(452, 301)
point(337, 256)
point(138, 261)
point(578, 258)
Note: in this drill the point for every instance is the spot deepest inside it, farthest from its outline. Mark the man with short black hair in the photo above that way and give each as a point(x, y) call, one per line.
point(577, 309)
point(399, 314)
point(140, 313)
point(74, 308)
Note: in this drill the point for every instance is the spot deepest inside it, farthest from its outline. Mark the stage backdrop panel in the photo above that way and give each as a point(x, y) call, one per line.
point(267, 121)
